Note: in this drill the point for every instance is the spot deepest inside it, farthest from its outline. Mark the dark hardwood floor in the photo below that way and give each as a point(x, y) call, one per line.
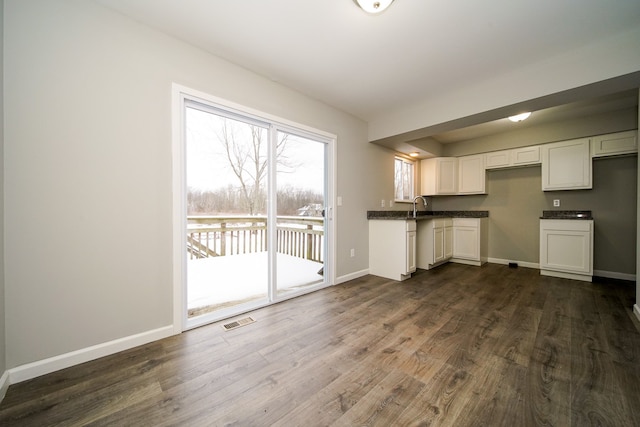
point(454, 346)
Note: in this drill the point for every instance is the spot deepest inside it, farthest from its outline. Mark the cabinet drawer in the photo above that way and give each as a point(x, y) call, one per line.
point(566, 224)
point(466, 222)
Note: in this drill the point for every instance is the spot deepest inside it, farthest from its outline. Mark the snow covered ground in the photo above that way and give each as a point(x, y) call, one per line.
point(218, 280)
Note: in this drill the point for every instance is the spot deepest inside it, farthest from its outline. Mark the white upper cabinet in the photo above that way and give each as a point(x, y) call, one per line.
point(439, 176)
point(523, 156)
point(566, 165)
point(471, 174)
point(497, 159)
point(615, 144)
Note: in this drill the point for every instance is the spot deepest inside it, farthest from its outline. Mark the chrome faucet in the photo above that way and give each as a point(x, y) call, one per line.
point(415, 199)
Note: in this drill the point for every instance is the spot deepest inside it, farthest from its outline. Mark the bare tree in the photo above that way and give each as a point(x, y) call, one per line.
point(248, 161)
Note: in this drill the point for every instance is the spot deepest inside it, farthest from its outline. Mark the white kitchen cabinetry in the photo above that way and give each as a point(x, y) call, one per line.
point(392, 248)
point(525, 156)
point(435, 242)
point(497, 159)
point(566, 248)
point(516, 157)
point(471, 174)
point(566, 165)
point(470, 244)
point(439, 176)
point(615, 144)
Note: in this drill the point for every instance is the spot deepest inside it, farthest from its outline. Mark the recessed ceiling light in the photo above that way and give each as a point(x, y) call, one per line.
point(519, 117)
point(414, 154)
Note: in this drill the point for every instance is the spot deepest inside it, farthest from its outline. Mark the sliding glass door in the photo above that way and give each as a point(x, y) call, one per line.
point(255, 211)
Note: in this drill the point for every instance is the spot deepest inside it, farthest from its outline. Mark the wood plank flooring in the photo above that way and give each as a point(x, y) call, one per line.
point(454, 346)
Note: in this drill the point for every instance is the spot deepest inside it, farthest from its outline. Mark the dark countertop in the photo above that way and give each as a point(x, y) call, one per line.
point(566, 215)
point(404, 215)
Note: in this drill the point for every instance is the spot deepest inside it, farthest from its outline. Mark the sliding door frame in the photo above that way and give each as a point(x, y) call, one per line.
point(181, 96)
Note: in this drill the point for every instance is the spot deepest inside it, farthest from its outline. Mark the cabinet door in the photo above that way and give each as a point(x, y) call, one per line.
point(615, 143)
point(465, 243)
point(439, 176)
point(471, 174)
point(448, 242)
point(446, 177)
point(525, 156)
point(411, 252)
point(438, 244)
point(566, 246)
point(497, 159)
point(566, 165)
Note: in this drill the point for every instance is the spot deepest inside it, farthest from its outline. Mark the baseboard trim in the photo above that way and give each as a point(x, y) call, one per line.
point(56, 363)
point(636, 311)
point(352, 276)
point(520, 263)
point(4, 384)
point(615, 275)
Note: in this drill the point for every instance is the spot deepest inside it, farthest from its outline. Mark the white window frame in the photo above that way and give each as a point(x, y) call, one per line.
point(412, 180)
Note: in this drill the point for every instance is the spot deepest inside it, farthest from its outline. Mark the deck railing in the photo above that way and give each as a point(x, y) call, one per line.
point(210, 236)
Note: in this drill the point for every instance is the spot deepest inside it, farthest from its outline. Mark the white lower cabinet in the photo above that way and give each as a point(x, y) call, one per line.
point(566, 248)
point(434, 242)
point(470, 244)
point(392, 248)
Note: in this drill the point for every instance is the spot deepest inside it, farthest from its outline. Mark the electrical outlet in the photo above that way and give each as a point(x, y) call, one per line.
point(382, 203)
point(556, 203)
point(390, 203)
point(353, 253)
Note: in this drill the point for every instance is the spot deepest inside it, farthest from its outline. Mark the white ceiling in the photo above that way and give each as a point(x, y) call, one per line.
point(370, 65)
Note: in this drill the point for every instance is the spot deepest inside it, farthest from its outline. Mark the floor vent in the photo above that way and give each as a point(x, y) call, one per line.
point(237, 323)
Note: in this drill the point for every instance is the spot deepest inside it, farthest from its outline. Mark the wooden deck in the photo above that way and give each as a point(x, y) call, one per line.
point(454, 346)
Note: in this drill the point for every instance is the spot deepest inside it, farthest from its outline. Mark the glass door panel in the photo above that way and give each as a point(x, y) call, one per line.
point(226, 182)
point(300, 222)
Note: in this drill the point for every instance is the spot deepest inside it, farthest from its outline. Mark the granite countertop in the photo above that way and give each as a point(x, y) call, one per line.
point(404, 215)
point(566, 215)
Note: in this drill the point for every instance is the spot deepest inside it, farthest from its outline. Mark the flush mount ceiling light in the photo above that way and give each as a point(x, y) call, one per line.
point(414, 154)
point(519, 117)
point(373, 6)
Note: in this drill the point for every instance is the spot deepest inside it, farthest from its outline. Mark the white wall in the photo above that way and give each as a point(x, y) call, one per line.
point(88, 171)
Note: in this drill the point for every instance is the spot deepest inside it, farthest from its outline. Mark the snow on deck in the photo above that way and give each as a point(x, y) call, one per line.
point(218, 280)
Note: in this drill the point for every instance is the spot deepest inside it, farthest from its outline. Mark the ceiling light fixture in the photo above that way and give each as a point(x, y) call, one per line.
point(519, 117)
point(414, 154)
point(373, 6)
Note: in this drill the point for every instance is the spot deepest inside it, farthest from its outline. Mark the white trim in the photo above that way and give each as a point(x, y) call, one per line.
point(56, 363)
point(520, 263)
point(636, 311)
point(178, 211)
point(614, 275)
point(572, 276)
point(351, 276)
point(4, 384)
